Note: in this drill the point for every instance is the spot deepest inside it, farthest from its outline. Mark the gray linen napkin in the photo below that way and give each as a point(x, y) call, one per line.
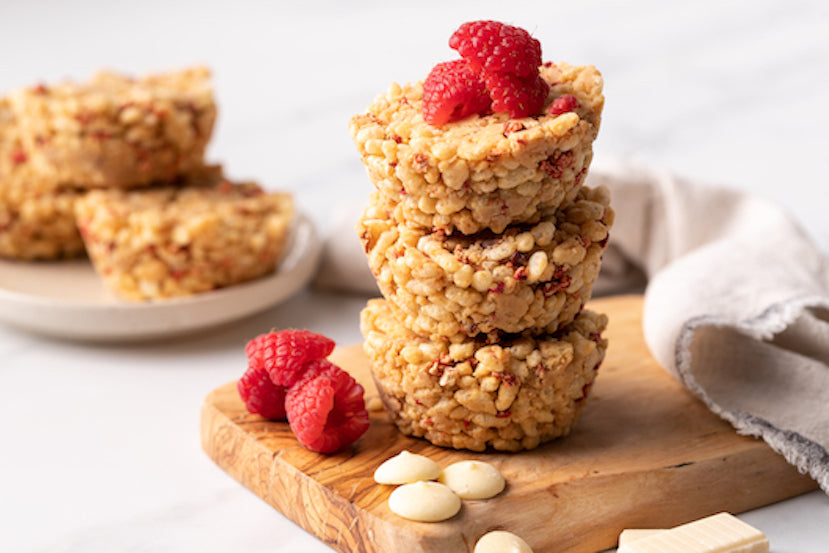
point(736, 304)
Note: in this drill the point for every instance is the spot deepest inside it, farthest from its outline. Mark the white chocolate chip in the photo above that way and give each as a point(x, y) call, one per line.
point(406, 467)
point(524, 242)
point(424, 502)
point(473, 479)
point(536, 265)
point(500, 541)
point(374, 404)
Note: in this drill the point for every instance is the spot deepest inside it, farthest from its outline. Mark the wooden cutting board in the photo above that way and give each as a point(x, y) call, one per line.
point(644, 454)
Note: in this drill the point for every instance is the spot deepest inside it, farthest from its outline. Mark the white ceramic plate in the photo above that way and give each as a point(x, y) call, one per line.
point(68, 300)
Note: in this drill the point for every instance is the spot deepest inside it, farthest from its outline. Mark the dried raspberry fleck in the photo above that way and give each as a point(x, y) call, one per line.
point(261, 396)
point(493, 46)
point(512, 126)
point(520, 97)
point(19, 156)
point(563, 104)
point(499, 288)
point(451, 92)
point(286, 353)
point(326, 409)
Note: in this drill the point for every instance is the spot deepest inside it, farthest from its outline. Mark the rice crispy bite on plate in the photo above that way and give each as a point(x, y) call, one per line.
point(117, 131)
point(177, 240)
point(37, 220)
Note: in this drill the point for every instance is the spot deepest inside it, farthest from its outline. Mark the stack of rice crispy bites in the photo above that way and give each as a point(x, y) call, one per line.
point(115, 167)
point(485, 245)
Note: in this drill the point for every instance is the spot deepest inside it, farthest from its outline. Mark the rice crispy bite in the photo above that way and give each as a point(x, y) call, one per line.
point(442, 176)
point(36, 220)
point(469, 393)
point(529, 277)
point(39, 226)
point(115, 131)
point(168, 241)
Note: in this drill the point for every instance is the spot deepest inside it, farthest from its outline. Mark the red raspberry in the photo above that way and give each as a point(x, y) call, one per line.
point(563, 104)
point(520, 96)
point(286, 352)
point(492, 46)
point(325, 409)
point(451, 92)
point(261, 396)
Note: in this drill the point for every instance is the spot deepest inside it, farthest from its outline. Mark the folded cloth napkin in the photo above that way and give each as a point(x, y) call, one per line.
point(736, 303)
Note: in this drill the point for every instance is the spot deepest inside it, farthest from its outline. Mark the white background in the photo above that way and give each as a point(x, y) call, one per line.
point(99, 445)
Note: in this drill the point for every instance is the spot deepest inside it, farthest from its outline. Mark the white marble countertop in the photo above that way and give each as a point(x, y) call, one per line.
point(100, 443)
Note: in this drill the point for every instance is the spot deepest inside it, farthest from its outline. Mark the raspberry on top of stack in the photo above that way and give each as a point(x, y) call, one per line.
point(481, 232)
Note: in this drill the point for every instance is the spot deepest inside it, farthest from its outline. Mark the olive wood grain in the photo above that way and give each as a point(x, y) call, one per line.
point(645, 454)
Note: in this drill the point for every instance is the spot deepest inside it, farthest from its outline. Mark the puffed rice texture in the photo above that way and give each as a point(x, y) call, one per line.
point(116, 131)
point(471, 394)
point(37, 221)
point(451, 177)
point(169, 241)
point(530, 277)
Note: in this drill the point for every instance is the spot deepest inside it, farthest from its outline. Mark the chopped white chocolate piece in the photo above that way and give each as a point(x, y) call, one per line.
point(500, 541)
point(406, 467)
point(473, 479)
point(629, 535)
point(720, 533)
point(424, 502)
point(374, 404)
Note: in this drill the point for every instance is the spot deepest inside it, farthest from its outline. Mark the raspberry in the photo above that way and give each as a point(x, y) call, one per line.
point(286, 352)
point(563, 104)
point(325, 409)
point(261, 396)
point(451, 92)
point(520, 96)
point(492, 46)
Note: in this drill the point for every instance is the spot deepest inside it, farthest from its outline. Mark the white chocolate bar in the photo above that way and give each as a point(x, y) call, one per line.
point(720, 533)
point(629, 535)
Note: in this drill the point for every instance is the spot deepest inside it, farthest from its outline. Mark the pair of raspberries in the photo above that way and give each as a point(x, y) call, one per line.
point(288, 376)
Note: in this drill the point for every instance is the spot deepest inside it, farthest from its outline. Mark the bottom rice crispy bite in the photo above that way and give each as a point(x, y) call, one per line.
point(470, 393)
point(169, 241)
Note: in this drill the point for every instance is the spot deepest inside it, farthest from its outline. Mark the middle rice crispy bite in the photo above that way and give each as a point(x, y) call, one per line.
point(168, 241)
point(530, 277)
